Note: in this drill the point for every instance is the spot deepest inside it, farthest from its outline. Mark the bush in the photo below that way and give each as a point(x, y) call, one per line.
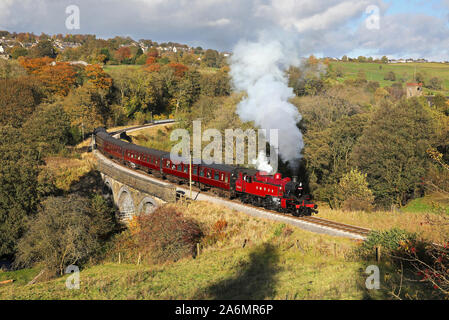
point(165, 235)
point(435, 83)
point(390, 241)
point(65, 231)
point(391, 76)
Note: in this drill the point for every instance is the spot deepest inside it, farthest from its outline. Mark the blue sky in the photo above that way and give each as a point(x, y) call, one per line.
point(408, 28)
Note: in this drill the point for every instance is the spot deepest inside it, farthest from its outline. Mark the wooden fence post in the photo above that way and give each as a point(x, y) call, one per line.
point(138, 259)
point(378, 253)
point(197, 249)
point(119, 258)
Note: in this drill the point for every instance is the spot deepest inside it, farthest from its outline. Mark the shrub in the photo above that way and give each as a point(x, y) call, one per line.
point(165, 235)
point(391, 76)
point(217, 233)
point(389, 240)
point(435, 83)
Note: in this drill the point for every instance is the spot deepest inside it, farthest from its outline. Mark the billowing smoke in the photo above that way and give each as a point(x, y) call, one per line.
point(262, 163)
point(259, 68)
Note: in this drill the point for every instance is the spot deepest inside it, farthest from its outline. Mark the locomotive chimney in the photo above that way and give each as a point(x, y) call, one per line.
point(295, 178)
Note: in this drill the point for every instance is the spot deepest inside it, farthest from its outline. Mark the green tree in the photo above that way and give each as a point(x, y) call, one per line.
point(390, 76)
point(18, 99)
point(44, 49)
point(19, 187)
point(19, 51)
point(435, 83)
point(392, 150)
point(189, 90)
point(48, 129)
point(211, 58)
point(384, 59)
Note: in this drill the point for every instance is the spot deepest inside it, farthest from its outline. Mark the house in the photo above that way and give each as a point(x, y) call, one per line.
point(414, 90)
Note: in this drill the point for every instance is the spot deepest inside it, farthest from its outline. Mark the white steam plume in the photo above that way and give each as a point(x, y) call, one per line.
point(259, 69)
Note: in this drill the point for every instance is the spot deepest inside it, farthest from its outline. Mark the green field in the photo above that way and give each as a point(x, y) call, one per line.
point(108, 68)
point(406, 71)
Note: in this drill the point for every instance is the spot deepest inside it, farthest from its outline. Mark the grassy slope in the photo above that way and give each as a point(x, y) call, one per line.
point(406, 70)
point(269, 266)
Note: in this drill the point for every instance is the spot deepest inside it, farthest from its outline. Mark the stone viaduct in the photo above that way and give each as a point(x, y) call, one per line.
point(132, 191)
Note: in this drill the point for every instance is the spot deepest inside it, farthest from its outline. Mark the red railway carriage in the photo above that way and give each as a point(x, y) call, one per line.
point(213, 175)
point(251, 186)
point(144, 158)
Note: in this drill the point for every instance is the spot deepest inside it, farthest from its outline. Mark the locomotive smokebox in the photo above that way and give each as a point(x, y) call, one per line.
point(295, 178)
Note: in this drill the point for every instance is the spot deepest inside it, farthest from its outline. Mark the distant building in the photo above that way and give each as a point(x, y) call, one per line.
point(414, 90)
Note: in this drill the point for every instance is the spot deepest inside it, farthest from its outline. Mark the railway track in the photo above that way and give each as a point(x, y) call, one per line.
point(319, 222)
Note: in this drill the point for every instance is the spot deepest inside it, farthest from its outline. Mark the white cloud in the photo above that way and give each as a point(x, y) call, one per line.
point(331, 27)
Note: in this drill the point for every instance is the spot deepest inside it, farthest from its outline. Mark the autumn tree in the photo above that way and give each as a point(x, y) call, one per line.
point(96, 75)
point(65, 231)
point(354, 191)
point(179, 69)
point(123, 54)
point(34, 65)
point(57, 79)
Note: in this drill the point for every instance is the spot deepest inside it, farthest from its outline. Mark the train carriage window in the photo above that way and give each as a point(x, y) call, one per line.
point(186, 168)
point(208, 174)
point(167, 164)
point(222, 177)
point(195, 171)
point(201, 172)
point(173, 167)
point(179, 167)
point(226, 178)
point(216, 176)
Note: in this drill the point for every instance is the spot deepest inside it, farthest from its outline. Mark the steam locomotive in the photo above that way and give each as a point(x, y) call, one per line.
point(250, 186)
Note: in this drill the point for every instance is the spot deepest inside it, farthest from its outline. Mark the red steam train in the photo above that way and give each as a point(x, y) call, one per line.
point(249, 185)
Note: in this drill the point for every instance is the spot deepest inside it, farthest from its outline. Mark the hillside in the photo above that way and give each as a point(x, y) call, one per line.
point(405, 71)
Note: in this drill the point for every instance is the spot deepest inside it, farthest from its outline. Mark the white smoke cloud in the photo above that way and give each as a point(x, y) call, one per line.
point(259, 69)
point(262, 163)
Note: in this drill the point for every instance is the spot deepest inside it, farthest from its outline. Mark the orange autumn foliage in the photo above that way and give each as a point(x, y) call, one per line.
point(150, 60)
point(123, 53)
point(96, 75)
point(155, 67)
point(33, 66)
point(57, 78)
point(179, 69)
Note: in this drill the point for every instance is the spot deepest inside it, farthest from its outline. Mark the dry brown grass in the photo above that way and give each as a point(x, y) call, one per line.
point(243, 229)
point(381, 220)
point(69, 170)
